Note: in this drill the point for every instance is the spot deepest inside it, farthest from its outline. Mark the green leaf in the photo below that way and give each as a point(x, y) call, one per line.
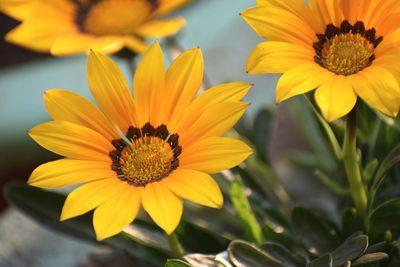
point(371, 258)
point(200, 260)
point(392, 159)
point(316, 235)
point(196, 238)
point(243, 210)
point(177, 263)
point(369, 170)
point(378, 247)
point(332, 184)
point(352, 248)
point(323, 261)
point(387, 215)
point(281, 253)
point(243, 254)
point(351, 222)
point(45, 207)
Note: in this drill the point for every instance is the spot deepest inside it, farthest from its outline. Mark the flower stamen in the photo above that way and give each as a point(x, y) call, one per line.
point(346, 50)
point(152, 155)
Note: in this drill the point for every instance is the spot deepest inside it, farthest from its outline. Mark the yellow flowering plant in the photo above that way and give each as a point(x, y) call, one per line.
point(166, 169)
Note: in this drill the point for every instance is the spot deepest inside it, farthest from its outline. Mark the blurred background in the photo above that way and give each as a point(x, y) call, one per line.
point(215, 26)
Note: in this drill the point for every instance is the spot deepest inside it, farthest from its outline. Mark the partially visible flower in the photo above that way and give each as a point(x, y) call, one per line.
point(344, 48)
point(172, 141)
point(65, 27)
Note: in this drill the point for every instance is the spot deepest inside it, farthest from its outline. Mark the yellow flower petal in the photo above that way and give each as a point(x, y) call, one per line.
point(116, 213)
point(183, 80)
point(378, 12)
point(261, 2)
point(67, 172)
point(336, 98)
point(72, 140)
point(195, 186)
point(90, 196)
point(28, 36)
point(226, 92)
point(214, 121)
point(164, 207)
point(68, 106)
point(18, 9)
point(325, 10)
point(300, 80)
point(167, 6)
point(73, 43)
point(161, 28)
point(38, 32)
point(352, 10)
point(135, 44)
point(377, 86)
point(214, 154)
point(389, 24)
point(149, 84)
point(389, 45)
point(108, 44)
point(277, 24)
point(111, 91)
point(299, 9)
point(76, 43)
point(278, 57)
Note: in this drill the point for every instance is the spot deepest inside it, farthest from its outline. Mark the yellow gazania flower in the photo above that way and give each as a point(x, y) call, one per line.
point(65, 27)
point(344, 48)
point(171, 144)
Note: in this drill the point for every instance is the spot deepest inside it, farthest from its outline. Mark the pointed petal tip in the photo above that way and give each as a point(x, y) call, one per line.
point(246, 84)
point(219, 203)
point(155, 43)
point(63, 216)
point(280, 98)
point(101, 236)
point(329, 118)
point(95, 54)
point(249, 152)
point(168, 229)
point(195, 50)
point(31, 182)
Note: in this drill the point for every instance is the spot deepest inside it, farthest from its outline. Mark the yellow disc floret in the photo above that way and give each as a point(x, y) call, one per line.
point(347, 53)
point(147, 160)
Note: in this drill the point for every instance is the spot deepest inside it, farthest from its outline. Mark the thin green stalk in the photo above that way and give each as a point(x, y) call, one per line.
point(352, 167)
point(175, 245)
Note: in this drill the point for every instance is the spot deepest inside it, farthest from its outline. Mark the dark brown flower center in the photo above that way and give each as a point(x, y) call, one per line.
point(151, 155)
point(348, 49)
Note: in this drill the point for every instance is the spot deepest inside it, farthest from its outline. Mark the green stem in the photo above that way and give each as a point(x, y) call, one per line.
point(352, 167)
point(175, 245)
